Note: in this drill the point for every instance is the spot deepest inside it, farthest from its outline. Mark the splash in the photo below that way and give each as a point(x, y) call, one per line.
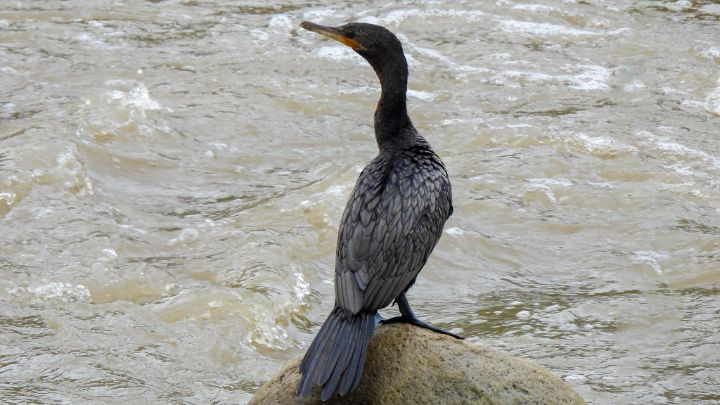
point(63, 291)
point(712, 101)
point(137, 97)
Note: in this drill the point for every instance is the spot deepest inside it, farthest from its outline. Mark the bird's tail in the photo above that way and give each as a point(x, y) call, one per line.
point(336, 357)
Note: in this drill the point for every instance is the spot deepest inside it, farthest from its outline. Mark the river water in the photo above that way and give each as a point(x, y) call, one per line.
point(172, 174)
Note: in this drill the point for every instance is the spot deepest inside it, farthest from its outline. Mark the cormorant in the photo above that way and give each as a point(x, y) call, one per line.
point(391, 223)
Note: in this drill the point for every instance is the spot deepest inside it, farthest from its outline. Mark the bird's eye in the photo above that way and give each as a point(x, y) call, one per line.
point(350, 34)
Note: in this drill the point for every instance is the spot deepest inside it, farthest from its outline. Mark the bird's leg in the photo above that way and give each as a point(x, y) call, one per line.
point(409, 317)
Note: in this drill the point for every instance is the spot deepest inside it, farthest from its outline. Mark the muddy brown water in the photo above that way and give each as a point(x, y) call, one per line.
point(172, 174)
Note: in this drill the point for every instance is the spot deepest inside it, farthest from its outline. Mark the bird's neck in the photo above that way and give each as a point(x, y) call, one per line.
point(391, 118)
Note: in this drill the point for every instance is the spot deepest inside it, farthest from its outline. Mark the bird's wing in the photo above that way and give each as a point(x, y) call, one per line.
point(392, 222)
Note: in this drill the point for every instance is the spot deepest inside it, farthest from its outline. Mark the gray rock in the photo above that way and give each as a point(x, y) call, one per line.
point(410, 365)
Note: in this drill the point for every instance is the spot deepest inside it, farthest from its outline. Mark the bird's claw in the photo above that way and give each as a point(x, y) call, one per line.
point(421, 324)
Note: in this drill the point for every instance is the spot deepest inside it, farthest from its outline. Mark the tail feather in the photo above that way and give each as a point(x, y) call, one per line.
point(325, 356)
point(369, 329)
point(353, 372)
point(308, 367)
point(336, 357)
point(334, 382)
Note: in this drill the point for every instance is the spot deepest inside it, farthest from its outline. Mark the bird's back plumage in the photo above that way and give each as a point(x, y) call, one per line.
point(392, 221)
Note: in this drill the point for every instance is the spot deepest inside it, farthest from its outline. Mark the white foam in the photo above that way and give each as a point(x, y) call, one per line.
point(422, 95)
point(259, 35)
point(455, 231)
point(335, 52)
point(601, 143)
point(544, 29)
point(70, 168)
point(336, 192)
point(302, 288)
point(134, 96)
point(42, 212)
point(687, 162)
point(367, 89)
point(56, 290)
point(110, 253)
point(575, 378)
point(651, 258)
point(533, 7)
point(219, 146)
point(399, 16)
point(634, 86)
point(546, 182)
point(601, 185)
point(712, 100)
point(585, 77)
point(89, 39)
point(132, 228)
point(8, 70)
point(527, 76)
point(318, 15)
point(515, 126)
point(442, 58)
point(280, 21)
point(411, 61)
point(504, 56)
point(710, 9)
point(186, 235)
point(137, 97)
point(456, 121)
point(8, 198)
point(677, 5)
point(711, 53)
point(543, 184)
point(678, 149)
point(591, 77)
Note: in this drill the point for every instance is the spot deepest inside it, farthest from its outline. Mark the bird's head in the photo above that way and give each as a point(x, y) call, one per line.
point(376, 44)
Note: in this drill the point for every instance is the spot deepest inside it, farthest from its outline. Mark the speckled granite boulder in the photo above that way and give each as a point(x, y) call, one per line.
point(410, 365)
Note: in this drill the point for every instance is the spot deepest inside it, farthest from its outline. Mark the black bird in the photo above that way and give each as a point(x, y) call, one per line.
point(391, 223)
